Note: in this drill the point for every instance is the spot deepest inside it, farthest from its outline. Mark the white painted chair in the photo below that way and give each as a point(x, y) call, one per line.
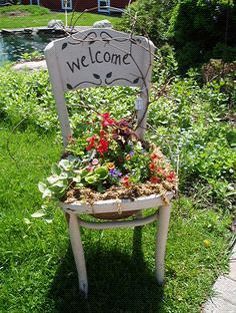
point(104, 57)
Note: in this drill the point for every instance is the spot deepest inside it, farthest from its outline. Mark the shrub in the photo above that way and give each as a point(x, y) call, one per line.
point(202, 29)
point(151, 18)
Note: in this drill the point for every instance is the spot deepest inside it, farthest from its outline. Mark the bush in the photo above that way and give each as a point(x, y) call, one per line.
point(202, 29)
point(151, 18)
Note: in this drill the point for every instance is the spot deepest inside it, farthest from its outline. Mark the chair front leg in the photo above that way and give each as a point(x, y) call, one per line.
point(77, 248)
point(162, 232)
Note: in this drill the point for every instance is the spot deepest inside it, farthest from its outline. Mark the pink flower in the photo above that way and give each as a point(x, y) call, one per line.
point(95, 162)
point(125, 181)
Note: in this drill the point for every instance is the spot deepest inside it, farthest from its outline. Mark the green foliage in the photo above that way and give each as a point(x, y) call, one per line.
point(199, 29)
point(189, 122)
point(165, 66)
point(203, 29)
point(148, 17)
point(27, 9)
point(190, 127)
point(34, 56)
point(107, 156)
point(27, 99)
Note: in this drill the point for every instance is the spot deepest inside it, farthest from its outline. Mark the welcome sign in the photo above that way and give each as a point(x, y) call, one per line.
point(102, 57)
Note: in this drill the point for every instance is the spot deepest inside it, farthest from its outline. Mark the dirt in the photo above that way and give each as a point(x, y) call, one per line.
point(146, 189)
point(16, 14)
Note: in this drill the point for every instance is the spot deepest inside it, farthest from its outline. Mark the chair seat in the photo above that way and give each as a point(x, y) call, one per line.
point(118, 205)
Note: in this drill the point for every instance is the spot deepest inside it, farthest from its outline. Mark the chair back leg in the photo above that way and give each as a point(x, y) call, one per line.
point(78, 251)
point(162, 232)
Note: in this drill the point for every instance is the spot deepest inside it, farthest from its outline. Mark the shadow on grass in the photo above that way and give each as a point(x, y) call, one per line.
point(117, 282)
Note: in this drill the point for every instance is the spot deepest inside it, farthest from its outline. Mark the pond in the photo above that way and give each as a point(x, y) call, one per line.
point(14, 45)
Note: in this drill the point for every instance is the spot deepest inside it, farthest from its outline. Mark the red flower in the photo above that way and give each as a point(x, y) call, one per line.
point(171, 177)
point(103, 146)
point(91, 141)
point(155, 156)
point(102, 133)
point(155, 180)
point(152, 166)
point(161, 171)
point(106, 120)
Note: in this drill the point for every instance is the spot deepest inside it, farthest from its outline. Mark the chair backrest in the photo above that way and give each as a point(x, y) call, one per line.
point(99, 57)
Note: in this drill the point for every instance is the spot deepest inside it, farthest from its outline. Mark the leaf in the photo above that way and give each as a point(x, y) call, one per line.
point(69, 86)
point(102, 172)
point(77, 179)
point(84, 173)
point(136, 80)
point(65, 164)
point(48, 220)
point(60, 184)
point(92, 179)
point(38, 214)
point(27, 221)
point(64, 46)
point(109, 75)
point(53, 179)
point(96, 76)
point(55, 170)
point(42, 187)
point(47, 193)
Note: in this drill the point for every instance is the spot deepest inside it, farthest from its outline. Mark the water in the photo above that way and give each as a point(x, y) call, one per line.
point(14, 45)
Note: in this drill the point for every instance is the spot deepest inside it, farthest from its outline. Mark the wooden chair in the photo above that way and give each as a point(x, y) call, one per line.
point(104, 57)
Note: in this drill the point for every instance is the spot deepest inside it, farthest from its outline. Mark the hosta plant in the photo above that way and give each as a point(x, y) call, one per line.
point(108, 161)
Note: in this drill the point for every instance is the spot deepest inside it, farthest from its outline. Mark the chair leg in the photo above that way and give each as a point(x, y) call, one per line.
point(162, 232)
point(77, 248)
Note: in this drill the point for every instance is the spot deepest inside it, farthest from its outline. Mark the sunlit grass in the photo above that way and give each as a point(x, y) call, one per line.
point(87, 19)
point(38, 273)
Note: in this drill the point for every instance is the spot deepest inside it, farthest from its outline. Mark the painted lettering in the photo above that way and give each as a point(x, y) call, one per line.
point(82, 61)
point(96, 57)
point(107, 57)
point(116, 59)
point(92, 57)
point(73, 65)
point(124, 58)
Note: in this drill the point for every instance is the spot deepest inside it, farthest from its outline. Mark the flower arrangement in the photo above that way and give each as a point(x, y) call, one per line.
point(108, 162)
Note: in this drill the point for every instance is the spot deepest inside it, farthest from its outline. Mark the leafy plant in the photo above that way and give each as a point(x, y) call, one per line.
point(207, 32)
point(108, 155)
point(34, 56)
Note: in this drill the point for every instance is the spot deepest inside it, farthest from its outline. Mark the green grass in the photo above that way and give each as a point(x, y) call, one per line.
point(35, 18)
point(26, 9)
point(37, 269)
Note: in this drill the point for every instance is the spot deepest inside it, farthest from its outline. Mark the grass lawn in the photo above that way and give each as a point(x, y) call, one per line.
point(35, 18)
point(38, 273)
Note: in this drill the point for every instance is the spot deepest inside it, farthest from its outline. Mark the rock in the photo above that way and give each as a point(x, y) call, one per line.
point(102, 24)
point(55, 24)
point(32, 66)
